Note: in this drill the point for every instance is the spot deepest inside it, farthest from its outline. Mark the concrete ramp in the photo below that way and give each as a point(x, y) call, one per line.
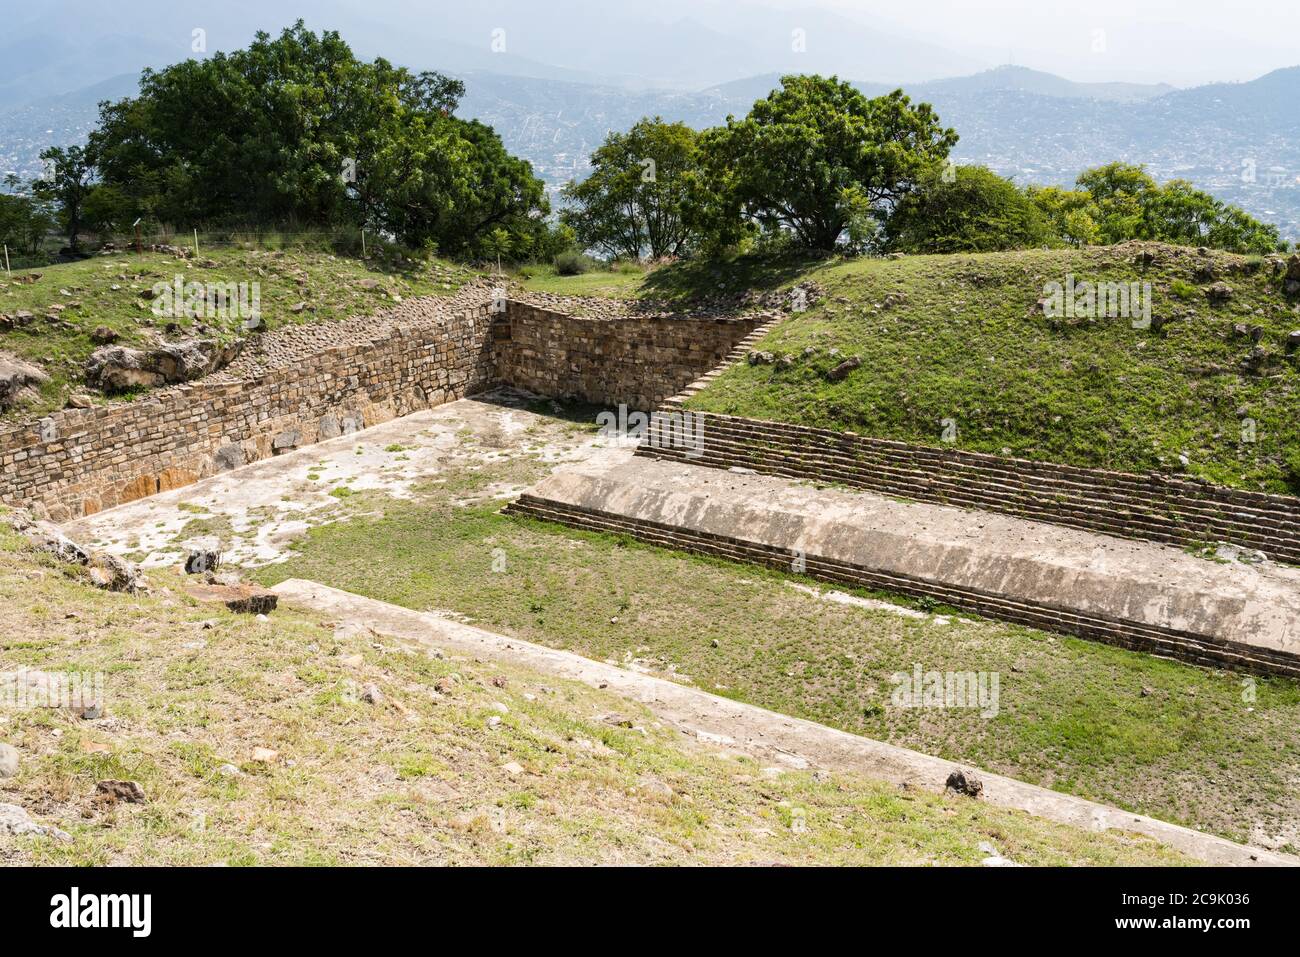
point(1140, 595)
point(778, 738)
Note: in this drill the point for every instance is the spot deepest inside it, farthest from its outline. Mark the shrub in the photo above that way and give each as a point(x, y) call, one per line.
point(571, 263)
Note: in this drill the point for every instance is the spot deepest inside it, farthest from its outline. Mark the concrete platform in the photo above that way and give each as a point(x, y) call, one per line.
point(1140, 595)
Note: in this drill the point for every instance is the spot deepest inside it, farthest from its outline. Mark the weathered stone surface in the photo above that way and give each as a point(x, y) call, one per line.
point(229, 457)
point(16, 821)
point(115, 792)
point(841, 371)
point(102, 568)
point(109, 572)
point(201, 560)
point(116, 368)
point(1219, 292)
point(244, 598)
point(8, 761)
point(286, 441)
point(964, 783)
point(18, 380)
point(328, 427)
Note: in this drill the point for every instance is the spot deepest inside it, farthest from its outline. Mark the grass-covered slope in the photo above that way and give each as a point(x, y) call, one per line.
point(68, 302)
point(419, 776)
point(960, 338)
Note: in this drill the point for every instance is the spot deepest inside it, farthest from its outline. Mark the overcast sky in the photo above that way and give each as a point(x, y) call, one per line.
point(1177, 41)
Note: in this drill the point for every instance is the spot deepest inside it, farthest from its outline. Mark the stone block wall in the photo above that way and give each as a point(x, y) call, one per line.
point(640, 361)
point(326, 380)
point(79, 461)
point(1054, 616)
point(1155, 508)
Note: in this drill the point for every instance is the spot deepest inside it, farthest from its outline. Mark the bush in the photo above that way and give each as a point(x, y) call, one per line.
point(965, 209)
point(571, 263)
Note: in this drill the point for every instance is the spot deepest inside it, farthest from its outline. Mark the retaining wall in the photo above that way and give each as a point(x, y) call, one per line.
point(330, 379)
point(637, 360)
point(1154, 508)
point(1137, 595)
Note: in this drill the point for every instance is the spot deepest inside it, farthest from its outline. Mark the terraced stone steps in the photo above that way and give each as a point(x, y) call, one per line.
point(1137, 595)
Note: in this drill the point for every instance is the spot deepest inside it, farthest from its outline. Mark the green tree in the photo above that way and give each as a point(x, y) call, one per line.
point(1178, 212)
point(811, 157)
point(295, 131)
point(66, 184)
point(24, 223)
point(965, 209)
point(1069, 214)
point(634, 201)
point(1121, 194)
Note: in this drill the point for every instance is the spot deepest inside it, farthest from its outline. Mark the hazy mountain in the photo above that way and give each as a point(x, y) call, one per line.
point(553, 91)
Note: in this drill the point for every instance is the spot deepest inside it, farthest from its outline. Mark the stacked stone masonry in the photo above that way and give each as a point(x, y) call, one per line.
point(1134, 635)
point(1156, 508)
point(637, 360)
point(303, 385)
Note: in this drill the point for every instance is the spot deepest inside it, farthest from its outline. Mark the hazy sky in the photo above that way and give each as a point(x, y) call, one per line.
point(1178, 41)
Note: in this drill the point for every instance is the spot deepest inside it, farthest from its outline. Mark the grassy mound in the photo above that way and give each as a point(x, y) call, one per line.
point(1208, 390)
point(67, 303)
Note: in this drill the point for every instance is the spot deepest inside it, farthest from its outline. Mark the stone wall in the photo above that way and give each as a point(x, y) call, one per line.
point(1155, 508)
point(306, 383)
point(639, 361)
point(79, 461)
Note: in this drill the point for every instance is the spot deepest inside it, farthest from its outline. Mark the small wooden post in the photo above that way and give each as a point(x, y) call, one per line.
point(363, 244)
point(196, 242)
point(7, 272)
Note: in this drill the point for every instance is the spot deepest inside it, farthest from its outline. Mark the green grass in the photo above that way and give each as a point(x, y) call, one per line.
point(191, 689)
point(116, 292)
point(957, 338)
point(1171, 740)
point(617, 282)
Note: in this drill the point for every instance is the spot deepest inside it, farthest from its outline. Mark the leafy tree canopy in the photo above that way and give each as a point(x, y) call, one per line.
point(815, 158)
point(965, 209)
point(634, 203)
point(295, 130)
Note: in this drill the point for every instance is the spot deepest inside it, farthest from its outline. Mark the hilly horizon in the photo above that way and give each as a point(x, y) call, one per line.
point(554, 114)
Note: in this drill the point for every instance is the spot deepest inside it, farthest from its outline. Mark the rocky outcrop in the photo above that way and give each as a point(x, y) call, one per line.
point(18, 380)
point(118, 368)
point(102, 569)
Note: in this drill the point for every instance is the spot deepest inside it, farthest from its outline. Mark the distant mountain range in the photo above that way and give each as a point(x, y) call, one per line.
point(1240, 141)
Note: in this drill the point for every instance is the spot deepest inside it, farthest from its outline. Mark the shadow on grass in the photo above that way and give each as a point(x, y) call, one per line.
point(694, 279)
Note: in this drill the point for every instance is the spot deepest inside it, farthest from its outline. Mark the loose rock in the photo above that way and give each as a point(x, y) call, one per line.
point(965, 783)
point(8, 760)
